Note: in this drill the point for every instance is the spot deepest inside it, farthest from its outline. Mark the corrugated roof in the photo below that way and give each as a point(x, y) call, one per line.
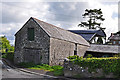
point(87, 37)
point(60, 33)
point(89, 34)
point(91, 31)
point(104, 48)
point(84, 31)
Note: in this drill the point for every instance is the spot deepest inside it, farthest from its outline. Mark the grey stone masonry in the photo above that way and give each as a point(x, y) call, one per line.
point(59, 50)
point(76, 71)
point(32, 51)
point(51, 45)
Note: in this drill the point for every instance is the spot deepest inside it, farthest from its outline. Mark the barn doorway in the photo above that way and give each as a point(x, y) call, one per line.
point(32, 55)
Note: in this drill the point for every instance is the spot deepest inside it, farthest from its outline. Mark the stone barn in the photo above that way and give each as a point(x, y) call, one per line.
point(41, 42)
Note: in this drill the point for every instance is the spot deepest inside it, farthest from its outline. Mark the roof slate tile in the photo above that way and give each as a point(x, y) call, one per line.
point(60, 33)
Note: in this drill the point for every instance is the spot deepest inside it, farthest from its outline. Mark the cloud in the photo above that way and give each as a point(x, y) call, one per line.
point(67, 11)
point(9, 30)
point(12, 13)
point(66, 15)
point(111, 22)
point(14, 16)
point(119, 16)
point(19, 12)
point(110, 13)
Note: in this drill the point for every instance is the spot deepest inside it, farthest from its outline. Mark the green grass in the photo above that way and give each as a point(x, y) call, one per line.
point(56, 69)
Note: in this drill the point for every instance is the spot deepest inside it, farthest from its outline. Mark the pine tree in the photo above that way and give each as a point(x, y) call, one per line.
point(93, 16)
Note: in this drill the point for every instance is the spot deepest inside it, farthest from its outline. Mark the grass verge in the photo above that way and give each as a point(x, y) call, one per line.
point(56, 69)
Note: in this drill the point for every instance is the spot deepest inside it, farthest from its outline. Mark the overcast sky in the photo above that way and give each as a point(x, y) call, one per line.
point(66, 15)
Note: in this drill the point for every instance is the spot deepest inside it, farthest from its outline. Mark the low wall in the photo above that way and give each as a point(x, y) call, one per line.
point(76, 71)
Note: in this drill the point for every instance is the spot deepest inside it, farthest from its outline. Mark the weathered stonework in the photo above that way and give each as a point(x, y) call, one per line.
point(36, 51)
point(59, 50)
point(76, 71)
point(50, 45)
point(81, 49)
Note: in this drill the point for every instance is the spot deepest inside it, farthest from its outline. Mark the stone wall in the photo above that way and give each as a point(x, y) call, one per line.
point(59, 50)
point(81, 50)
point(36, 51)
point(18, 56)
point(43, 49)
point(76, 71)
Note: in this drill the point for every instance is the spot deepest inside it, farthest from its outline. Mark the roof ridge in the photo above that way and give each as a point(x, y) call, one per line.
point(48, 23)
point(56, 27)
point(61, 33)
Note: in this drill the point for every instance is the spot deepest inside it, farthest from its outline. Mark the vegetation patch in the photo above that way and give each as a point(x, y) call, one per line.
point(5, 45)
point(108, 64)
point(56, 69)
point(77, 76)
point(6, 49)
point(9, 56)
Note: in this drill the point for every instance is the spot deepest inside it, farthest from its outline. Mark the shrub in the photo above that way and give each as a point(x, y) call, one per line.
point(58, 72)
point(119, 54)
point(56, 67)
point(73, 57)
point(109, 64)
point(89, 56)
point(45, 67)
point(4, 56)
point(116, 55)
point(9, 56)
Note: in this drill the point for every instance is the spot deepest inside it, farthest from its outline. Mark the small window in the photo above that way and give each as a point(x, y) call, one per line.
point(76, 47)
point(119, 42)
point(75, 51)
point(30, 34)
point(114, 42)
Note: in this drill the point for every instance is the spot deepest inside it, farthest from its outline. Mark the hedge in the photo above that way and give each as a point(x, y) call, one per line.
point(109, 64)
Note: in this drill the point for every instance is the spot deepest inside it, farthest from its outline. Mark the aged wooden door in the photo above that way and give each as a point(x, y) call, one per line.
point(32, 55)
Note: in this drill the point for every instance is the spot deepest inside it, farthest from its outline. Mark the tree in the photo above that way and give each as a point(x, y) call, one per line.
point(93, 15)
point(5, 44)
point(117, 32)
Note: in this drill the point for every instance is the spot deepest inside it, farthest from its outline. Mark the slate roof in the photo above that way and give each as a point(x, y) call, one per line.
point(88, 37)
point(89, 34)
point(104, 48)
point(60, 33)
point(115, 36)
